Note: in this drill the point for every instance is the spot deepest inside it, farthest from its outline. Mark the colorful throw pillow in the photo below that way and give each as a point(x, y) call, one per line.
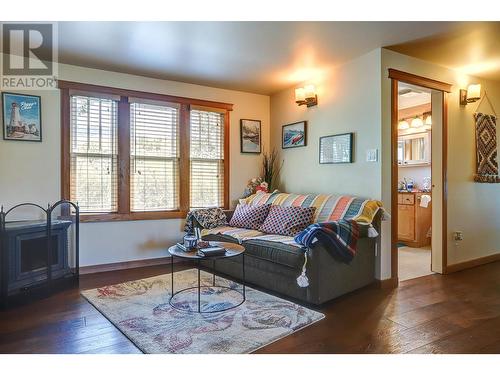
point(288, 221)
point(250, 217)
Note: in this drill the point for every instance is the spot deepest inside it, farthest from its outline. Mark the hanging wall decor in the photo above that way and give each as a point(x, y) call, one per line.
point(486, 145)
point(336, 149)
point(294, 135)
point(486, 149)
point(22, 117)
point(250, 136)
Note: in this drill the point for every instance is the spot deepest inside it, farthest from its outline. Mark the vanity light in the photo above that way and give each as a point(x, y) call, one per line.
point(403, 125)
point(471, 95)
point(306, 95)
point(428, 120)
point(417, 122)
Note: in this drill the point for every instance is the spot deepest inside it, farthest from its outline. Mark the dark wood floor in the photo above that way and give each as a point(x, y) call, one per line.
point(457, 313)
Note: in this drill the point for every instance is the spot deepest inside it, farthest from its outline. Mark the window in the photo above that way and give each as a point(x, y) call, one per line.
point(207, 159)
point(94, 153)
point(154, 163)
point(130, 155)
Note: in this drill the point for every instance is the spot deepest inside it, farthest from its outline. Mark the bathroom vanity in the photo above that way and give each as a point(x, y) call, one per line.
point(414, 221)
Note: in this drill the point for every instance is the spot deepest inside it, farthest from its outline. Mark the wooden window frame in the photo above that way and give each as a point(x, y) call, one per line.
point(124, 212)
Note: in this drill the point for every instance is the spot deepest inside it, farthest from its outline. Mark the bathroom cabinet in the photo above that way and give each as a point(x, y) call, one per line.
point(414, 221)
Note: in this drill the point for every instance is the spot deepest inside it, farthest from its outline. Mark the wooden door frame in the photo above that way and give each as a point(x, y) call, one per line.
point(397, 76)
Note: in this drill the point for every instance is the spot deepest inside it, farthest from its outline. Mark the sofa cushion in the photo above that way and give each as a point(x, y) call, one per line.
point(287, 221)
point(274, 252)
point(250, 217)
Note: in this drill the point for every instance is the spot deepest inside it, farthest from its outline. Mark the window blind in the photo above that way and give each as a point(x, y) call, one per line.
point(154, 163)
point(206, 159)
point(94, 153)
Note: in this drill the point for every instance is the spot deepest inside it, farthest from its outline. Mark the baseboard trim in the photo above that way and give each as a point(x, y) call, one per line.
point(387, 283)
point(472, 263)
point(85, 270)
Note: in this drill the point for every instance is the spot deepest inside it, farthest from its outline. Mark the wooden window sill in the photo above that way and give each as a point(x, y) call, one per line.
point(150, 215)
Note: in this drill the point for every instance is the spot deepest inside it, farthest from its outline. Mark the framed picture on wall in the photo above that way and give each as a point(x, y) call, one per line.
point(294, 135)
point(22, 117)
point(250, 136)
point(336, 149)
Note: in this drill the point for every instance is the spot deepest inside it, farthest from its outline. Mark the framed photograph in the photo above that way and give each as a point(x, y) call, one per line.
point(22, 117)
point(335, 149)
point(294, 135)
point(250, 136)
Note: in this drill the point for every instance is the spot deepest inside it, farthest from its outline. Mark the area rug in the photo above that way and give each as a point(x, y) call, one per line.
point(141, 310)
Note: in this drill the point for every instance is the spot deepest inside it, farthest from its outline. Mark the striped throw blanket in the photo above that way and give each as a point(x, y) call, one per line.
point(329, 207)
point(339, 237)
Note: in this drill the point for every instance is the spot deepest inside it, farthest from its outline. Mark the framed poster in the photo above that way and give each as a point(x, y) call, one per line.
point(250, 136)
point(335, 149)
point(294, 135)
point(22, 117)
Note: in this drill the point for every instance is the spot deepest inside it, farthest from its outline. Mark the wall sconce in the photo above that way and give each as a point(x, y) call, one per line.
point(306, 95)
point(471, 95)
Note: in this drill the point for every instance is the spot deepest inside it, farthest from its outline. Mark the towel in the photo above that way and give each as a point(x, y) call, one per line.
point(425, 199)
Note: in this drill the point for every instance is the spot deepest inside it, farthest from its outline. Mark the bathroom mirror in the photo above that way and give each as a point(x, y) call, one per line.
point(414, 149)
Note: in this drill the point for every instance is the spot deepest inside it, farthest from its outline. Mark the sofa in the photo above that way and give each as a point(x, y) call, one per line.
point(275, 265)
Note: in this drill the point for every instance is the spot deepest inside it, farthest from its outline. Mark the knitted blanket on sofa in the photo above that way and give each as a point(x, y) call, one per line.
point(339, 237)
point(329, 207)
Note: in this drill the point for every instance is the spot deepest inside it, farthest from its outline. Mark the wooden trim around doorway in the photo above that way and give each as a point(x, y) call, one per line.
point(419, 81)
point(397, 76)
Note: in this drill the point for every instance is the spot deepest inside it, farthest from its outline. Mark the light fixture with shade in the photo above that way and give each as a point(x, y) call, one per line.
point(403, 125)
point(471, 95)
point(306, 95)
point(417, 122)
point(428, 120)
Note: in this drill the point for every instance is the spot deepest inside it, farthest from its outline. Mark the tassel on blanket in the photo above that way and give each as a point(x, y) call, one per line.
point(302, 280)
point(372, 232)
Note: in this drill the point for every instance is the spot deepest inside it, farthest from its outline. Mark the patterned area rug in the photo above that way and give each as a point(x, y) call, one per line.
point(140, 309)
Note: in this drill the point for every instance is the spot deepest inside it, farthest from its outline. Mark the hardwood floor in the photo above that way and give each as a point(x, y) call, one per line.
point(457, 313)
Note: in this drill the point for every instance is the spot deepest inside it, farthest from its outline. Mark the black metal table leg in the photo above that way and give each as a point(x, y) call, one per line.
point(213, 272)
point(199, 287)
point(172, 272)
point(244, 281)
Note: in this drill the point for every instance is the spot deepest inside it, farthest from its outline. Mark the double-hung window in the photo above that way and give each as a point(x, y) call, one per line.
point(154, 152)
point(207, 158)
point(130, 155)
point(94, 153)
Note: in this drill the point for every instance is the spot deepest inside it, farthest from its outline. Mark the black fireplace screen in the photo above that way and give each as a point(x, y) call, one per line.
point(25, 249)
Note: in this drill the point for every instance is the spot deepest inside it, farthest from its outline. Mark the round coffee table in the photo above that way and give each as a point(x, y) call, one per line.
point(232, 250)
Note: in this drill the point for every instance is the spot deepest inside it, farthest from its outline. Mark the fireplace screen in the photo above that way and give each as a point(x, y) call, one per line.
point(25, 250)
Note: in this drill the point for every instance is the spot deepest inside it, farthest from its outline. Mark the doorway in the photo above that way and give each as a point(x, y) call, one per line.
point(414, 181)
point(418, 175)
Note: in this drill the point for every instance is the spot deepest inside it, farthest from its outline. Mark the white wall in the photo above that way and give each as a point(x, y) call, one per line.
point(31, 171)
point(472, 207)
point(348, 101)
